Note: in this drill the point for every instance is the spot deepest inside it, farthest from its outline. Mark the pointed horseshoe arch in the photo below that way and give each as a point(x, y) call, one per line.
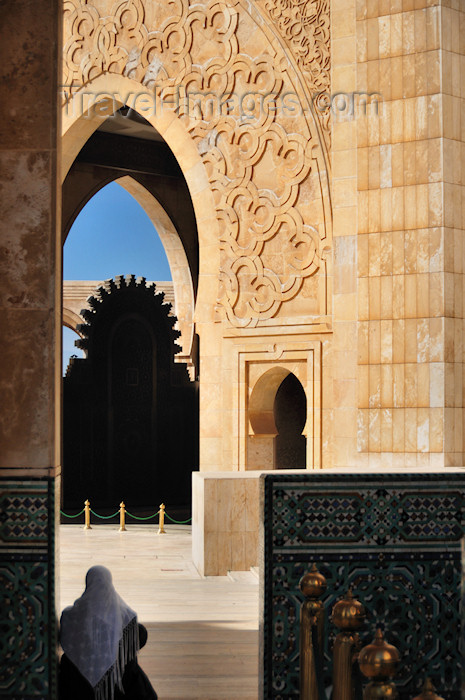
point(78, 126)
point(177, 259)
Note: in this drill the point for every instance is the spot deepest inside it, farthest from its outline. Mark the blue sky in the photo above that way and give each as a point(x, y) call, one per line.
point(111, 236)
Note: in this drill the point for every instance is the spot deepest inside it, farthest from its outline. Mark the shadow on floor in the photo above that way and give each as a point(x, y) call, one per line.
point(202, 660)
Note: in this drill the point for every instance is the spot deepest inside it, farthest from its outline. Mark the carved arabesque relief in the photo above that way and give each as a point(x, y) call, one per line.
point(305, 26)
point(264, 162)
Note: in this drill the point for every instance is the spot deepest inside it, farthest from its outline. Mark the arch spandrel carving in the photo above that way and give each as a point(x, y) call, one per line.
point(263, 150)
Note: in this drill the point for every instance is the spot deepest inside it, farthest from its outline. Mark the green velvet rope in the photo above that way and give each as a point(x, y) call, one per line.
point(72, 516)
point(136, 517)
point(178, 522)
point(104, 517)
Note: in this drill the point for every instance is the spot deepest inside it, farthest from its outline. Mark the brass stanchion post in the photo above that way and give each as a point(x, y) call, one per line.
point(122, 517)
point(161, 522)
point(87, 515)
point(379, 660)
point(348, 615)
point(312, 585)
point(428, 692)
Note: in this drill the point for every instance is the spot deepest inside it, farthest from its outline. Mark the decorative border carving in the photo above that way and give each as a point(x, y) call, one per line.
point(305, 27)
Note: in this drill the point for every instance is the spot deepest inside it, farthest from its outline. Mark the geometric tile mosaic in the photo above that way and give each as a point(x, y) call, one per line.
point(24, 512)
point(27, 609)
point(396, 540)
point(23, 629)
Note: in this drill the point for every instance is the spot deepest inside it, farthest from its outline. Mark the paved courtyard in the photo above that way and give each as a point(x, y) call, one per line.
point(203, 632)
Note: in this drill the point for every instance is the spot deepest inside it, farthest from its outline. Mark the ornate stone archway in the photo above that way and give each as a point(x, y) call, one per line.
point(230, 87)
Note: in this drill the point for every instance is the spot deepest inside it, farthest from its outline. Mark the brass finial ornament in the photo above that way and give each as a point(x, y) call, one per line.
point(161, 520)
point(87, 525)
point(312, 619)
point(348, 615)
point(122, 517)
point(378, 661)
point(313, 584)
point(428, 692)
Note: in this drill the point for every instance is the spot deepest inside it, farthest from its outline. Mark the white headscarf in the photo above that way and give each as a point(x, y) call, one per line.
point(99, 633)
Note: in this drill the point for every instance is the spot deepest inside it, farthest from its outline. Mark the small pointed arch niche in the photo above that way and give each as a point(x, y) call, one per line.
point(277, 418)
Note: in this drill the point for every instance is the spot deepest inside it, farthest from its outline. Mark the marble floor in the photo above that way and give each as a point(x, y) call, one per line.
point(203, 632)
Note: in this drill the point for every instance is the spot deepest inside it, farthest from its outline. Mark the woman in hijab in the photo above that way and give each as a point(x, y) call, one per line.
point(100, 638)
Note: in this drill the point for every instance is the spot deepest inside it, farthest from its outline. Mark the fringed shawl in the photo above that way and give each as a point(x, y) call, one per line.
point(99, 634)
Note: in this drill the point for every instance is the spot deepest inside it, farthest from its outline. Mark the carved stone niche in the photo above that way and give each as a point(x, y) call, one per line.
point(278, 417)
point(264, 372)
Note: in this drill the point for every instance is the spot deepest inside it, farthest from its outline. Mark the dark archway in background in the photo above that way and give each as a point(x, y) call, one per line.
point(130, 412)
point(127, 145)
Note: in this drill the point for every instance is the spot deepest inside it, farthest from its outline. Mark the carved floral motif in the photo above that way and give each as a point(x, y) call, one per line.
point(256, 161)
point(305, 27)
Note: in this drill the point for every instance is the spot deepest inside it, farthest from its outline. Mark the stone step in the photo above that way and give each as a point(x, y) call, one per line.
point(243, 576)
